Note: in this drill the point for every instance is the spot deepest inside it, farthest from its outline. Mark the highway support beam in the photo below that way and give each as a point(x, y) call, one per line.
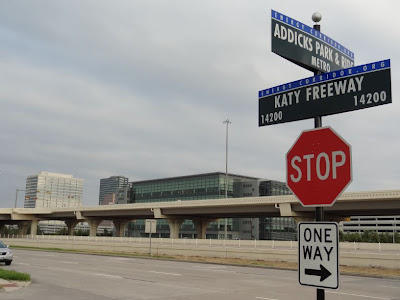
point(201, 227)
point(174, 223)
point(34, 227)
point(93, 224)
point(2, 229)
point(120, 227)
point(23, 228)
point(71, 224)
point(174, 227)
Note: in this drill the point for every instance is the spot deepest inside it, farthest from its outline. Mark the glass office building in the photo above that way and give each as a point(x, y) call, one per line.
point(276, 228)
point(110, 185)
point(193, 187)
point(212, 186)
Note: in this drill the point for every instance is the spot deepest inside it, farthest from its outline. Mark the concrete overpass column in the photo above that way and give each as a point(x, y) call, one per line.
point(22, 228)
point(201, 226)
point(120, 227)
point(34, 226)
point(174, 226)
point(93, 224)
point(71, 226)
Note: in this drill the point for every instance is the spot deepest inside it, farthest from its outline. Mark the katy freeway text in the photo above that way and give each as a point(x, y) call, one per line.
point(320, 91)
point(330, 93)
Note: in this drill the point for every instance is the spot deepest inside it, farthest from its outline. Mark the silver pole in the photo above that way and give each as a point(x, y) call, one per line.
point(227, 122)
point(151, 225)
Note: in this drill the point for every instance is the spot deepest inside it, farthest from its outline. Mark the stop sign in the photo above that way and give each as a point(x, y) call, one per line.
point(318, 167)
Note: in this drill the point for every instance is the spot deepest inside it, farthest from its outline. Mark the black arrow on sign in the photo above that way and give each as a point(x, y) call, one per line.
point(322, 272)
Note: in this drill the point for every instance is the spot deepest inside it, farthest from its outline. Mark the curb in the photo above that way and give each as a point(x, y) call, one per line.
point(10, 286)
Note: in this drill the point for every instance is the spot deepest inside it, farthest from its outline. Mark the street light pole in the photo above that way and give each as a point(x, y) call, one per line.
point(227, 122)
point(16, 196)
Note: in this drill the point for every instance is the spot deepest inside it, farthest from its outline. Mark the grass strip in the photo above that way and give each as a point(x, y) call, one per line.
point(14, 275)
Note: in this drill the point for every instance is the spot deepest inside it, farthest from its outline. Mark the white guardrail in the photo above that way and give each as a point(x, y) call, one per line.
point(351, 253)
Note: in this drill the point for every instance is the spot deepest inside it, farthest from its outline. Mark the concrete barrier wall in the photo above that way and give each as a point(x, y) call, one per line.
point(351, 254)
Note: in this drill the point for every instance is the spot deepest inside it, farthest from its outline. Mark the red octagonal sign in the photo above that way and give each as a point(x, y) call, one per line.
point(318, 167)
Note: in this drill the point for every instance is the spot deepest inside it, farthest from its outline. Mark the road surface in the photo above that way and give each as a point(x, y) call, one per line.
point(68, 276)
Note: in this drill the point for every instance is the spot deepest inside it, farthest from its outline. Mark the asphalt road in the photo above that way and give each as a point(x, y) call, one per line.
point(78, 276)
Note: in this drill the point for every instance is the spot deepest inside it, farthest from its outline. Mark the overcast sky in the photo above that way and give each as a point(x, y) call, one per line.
point(141, 88)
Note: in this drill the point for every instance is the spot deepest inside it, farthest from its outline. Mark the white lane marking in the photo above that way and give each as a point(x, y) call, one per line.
point(120, 259)
point(390, 287)
point(68, 262)
point(210, 267)
point(107, 275)
point(226, 271)
point(266, 298)
point(357, 295)
point(23, 264)
point(165, 273)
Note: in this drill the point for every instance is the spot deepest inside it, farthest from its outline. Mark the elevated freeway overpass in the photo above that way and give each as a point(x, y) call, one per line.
point(202, 212)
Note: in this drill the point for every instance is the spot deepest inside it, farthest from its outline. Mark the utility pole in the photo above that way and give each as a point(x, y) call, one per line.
point(227, 122)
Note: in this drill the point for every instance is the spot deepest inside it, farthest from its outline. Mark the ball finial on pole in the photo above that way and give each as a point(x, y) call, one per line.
point(316, 17)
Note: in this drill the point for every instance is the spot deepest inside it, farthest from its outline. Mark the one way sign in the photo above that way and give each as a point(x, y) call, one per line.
point(319, 254)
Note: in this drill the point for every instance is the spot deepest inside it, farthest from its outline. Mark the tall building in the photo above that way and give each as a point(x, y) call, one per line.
point(123, 194)
point(110, 185)
point(53, 190)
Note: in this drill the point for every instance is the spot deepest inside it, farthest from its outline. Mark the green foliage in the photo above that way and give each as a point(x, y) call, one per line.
point(369, 236)
point(14, 275)
point(10, 230)
point(81, 232)
point(106, 233)
point(62, 231)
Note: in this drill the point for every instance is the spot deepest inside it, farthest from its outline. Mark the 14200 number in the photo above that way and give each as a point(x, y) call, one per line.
point(271, 117)
point(370, 98)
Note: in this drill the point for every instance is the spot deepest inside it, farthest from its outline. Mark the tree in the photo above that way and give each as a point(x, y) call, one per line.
point(369, 236)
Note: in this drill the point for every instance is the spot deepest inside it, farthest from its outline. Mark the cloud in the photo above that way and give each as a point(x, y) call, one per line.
point(99, 88)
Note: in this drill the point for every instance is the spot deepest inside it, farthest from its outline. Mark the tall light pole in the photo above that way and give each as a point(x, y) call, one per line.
point(227, 122)
point(16, 196)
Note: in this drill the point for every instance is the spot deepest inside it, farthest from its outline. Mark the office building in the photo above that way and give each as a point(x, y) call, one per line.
point(277, 228)
point(53, 190)
point(212, 186)
point(380, 224)
point(184, 188)
point(123, 194)
point(110, 185)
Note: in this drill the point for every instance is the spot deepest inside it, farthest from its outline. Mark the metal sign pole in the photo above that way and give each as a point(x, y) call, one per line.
point(151, 225)
point(319, 211)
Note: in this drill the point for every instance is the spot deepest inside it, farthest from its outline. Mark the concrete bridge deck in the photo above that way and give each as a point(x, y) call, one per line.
point(202, 212)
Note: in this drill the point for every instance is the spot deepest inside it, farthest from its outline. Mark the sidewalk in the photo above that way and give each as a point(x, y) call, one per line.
point(10, 286)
